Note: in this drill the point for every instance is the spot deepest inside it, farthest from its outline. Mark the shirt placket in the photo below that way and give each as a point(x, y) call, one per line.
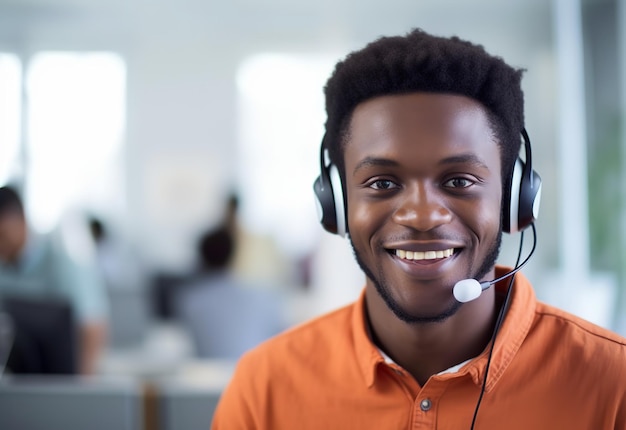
point(425, 400)
point(426, 405)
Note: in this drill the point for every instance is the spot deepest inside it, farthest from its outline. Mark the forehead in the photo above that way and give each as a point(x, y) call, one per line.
point(420, 122)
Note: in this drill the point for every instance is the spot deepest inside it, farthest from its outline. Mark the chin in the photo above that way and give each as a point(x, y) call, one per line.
point(424, 315)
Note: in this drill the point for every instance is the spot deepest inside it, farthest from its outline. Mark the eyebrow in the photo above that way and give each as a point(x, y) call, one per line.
point(465, 159)
point(374, 162)
point(455, 159)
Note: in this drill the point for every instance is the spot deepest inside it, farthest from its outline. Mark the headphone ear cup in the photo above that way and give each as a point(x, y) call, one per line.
point(525, 198)
point(329, 200)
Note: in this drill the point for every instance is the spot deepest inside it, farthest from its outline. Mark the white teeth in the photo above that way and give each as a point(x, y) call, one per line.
point(427, 255)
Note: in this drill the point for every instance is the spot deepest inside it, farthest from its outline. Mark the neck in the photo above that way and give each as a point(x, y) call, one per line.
point(425, 349)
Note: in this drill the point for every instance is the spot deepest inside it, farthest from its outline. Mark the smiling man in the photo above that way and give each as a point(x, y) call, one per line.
point(420, 168)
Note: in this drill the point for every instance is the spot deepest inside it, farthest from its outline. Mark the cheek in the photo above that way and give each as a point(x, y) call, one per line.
point(5, 246)
point(363, 220)
point(358, 219)
point(10, 240)
point(482, 215)
point(489, 217)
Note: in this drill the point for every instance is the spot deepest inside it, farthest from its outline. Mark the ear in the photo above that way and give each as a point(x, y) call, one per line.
point(328, 190)
point(522, 208)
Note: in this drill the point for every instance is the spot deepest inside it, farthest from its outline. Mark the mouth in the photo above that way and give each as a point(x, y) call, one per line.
point(422, 255)
point(423, 262)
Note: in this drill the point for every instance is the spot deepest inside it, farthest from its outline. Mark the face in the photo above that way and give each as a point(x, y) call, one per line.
point(12, 237)
point(424, 189)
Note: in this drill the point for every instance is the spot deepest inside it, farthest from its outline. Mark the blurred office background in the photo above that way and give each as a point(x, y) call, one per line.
point(149, 114)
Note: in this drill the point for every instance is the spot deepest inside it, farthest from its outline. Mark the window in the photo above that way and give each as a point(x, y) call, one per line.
point(76, 118)
point(281, 112)
point(10, 116)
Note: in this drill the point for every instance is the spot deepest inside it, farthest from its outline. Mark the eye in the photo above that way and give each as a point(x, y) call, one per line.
point(383, 184)
point(459, 183)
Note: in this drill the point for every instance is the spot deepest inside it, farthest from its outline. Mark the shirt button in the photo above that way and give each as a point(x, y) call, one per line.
point(425, 405)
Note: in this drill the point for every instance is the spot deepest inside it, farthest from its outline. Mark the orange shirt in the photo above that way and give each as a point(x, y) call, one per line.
point(550, 370)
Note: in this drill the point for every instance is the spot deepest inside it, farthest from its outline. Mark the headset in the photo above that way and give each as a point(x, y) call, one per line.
point(519, 212)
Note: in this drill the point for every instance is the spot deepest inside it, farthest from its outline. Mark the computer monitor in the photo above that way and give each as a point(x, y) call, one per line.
point(44, 335)
point(6, 339)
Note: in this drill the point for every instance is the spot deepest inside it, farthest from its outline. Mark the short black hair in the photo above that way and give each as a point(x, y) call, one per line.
point(421, 62)
point(97, 228)
point(216, 248)
point(10, 201)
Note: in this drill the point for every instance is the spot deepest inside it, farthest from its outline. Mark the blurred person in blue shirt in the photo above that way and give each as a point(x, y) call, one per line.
point(57, 265)
point(225, 315)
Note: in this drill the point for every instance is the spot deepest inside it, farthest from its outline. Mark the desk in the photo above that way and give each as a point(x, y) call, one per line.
point(185, 400)
point(70, 403)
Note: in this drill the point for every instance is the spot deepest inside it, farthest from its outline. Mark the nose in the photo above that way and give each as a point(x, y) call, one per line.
point(421, 208)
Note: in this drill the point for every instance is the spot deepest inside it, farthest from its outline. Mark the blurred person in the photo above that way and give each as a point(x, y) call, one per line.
point(421, 171)
point(124, 274)
point(120, 267)
point(231, 217)
point(57, 265)
point(107, 256)
point(225, 315)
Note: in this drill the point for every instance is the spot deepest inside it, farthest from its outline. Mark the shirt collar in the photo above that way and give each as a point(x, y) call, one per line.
point(368, 356)
point(512, 333)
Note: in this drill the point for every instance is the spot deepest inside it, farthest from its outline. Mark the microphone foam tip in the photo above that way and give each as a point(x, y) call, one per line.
point(467, 290)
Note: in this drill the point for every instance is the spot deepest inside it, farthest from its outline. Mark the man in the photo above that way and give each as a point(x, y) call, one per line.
point(54, 266)
point(423, 135)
